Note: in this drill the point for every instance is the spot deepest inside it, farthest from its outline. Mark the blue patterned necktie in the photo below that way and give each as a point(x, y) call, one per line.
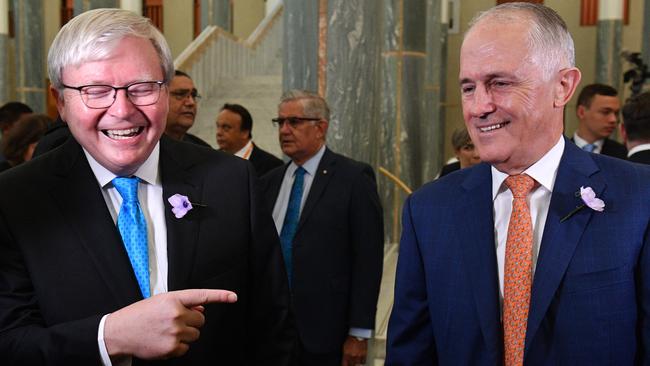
point(291, 220)
point(133, 228)
point(589, 147)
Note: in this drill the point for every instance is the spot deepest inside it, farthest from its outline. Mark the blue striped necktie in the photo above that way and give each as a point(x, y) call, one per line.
point(589, 147)
point(291, 219)
point(133, 229)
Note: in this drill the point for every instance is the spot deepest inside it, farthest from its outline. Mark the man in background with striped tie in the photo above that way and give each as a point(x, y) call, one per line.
point(327, 212)
point(540, 255)
point(119, 246)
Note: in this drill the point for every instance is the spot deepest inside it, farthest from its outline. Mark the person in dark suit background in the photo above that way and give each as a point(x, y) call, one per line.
point(597, 110)
point(466, 153)
point(635, 128)
point(88, 277)
point(558, 275)
point(183, 104)
point(235, 136)
point(327, 212)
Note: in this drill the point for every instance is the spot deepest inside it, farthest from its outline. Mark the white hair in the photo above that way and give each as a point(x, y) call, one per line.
point(313, 105)
point(548, 36)
point(92, 36)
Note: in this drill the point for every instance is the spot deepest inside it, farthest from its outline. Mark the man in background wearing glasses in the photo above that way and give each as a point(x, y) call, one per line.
point(120, 245)
point(183, 103)
point(328, 215)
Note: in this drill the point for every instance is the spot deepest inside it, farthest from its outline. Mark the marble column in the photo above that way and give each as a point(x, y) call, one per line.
point(30, 69)
point(132, 5)
point(300, 45)
point(645, 37)
point(435, 77)
point(216, 12)
point(609, 42)
point(402, 106)
point(81, 6)
point(4, 51)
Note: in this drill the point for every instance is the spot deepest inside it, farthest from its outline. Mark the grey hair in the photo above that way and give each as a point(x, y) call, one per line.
point(548, 35)
point(92, 36)
point(313, 105)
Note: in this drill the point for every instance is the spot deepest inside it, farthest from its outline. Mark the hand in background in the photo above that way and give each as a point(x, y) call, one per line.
point(354, 351)
point(161, 326)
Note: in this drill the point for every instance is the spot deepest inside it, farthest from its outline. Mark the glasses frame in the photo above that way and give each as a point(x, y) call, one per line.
point(294, 121)
point(160, 84)
point(191, 93)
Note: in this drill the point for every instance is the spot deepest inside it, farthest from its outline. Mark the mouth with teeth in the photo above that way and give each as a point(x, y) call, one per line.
point(495, 126)
point(123, 134)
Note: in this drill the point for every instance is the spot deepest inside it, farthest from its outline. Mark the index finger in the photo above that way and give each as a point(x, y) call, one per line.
point(195, 297)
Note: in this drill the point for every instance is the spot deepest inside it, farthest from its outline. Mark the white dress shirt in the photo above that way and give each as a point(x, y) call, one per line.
point(544, 171)
point(245, 152)
point(152, 205)
point(580, 142)
point(638, 148)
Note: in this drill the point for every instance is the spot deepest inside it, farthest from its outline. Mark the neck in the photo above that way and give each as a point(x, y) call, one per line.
point(176, 135)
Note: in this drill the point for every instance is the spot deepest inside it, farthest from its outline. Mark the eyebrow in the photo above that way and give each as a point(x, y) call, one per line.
point(488, 77)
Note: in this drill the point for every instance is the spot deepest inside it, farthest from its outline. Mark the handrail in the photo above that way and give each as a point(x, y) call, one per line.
point(191, 53)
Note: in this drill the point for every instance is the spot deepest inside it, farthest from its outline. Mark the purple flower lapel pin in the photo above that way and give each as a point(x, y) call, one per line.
point(181, 205)
point(590, 200)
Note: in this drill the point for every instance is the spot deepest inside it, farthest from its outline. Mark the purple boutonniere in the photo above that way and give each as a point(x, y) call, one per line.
point(181, 205)
point(590, 200)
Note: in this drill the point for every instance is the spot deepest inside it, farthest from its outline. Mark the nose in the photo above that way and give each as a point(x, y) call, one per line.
point(480, 104)
point(122, 106)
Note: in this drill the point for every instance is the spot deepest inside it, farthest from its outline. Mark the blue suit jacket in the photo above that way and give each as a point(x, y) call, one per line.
point(591, 288)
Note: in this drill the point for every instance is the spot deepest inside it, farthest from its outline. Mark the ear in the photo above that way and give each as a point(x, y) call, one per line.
point(322, 128)
point(566, 85)
point(621, 127)
point(580, 112)
point(60, 102)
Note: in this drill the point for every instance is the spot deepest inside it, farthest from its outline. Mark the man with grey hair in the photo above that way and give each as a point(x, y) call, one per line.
point(554, 267)
point(327, 213)
point(119, 246)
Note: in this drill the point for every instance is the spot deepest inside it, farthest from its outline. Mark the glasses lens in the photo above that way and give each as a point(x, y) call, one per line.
point(145, 93)
point(97, 96)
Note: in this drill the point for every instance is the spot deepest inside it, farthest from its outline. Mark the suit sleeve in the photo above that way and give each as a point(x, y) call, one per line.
point(367, 239)
point(410, 338)
point(25, 339)
point(269, 324)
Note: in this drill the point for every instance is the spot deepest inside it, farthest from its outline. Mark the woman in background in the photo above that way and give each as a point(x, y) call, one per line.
point(19, 143)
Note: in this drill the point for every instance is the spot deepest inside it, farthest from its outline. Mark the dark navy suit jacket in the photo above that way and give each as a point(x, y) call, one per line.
point(591, 288)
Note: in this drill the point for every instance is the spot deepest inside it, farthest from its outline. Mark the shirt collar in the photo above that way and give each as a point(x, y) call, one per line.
point(244, 149)
point(638, 148)
point(580, 142)
point(147, 172)
point(310, 165)
point(544, 171)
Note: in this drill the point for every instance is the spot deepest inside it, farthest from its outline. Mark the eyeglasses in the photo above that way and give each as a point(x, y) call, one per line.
point(184, 93)
point(292, 121)
point(142, 93)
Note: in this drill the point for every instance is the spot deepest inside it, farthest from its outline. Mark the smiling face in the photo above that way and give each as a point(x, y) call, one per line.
point(512, 110)
point(181, 111)
point(122, 136)
point(599, 120)
point(230, 137)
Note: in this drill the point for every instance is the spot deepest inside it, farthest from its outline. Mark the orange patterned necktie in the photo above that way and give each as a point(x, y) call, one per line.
point(518, 270)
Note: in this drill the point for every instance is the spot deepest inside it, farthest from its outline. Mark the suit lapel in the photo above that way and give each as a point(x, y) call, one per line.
point(182, 234)
point(326, 169)
point(560, 239)
point(479, 249)
point(76, 191)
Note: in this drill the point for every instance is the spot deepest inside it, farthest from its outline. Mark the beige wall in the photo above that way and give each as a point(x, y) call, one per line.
point(247, 16)
point(585, 44)
point(178, 24)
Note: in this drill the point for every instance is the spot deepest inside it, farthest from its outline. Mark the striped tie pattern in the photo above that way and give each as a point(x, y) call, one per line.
point(133, 229)
point(291, 219)
point(518, 270)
